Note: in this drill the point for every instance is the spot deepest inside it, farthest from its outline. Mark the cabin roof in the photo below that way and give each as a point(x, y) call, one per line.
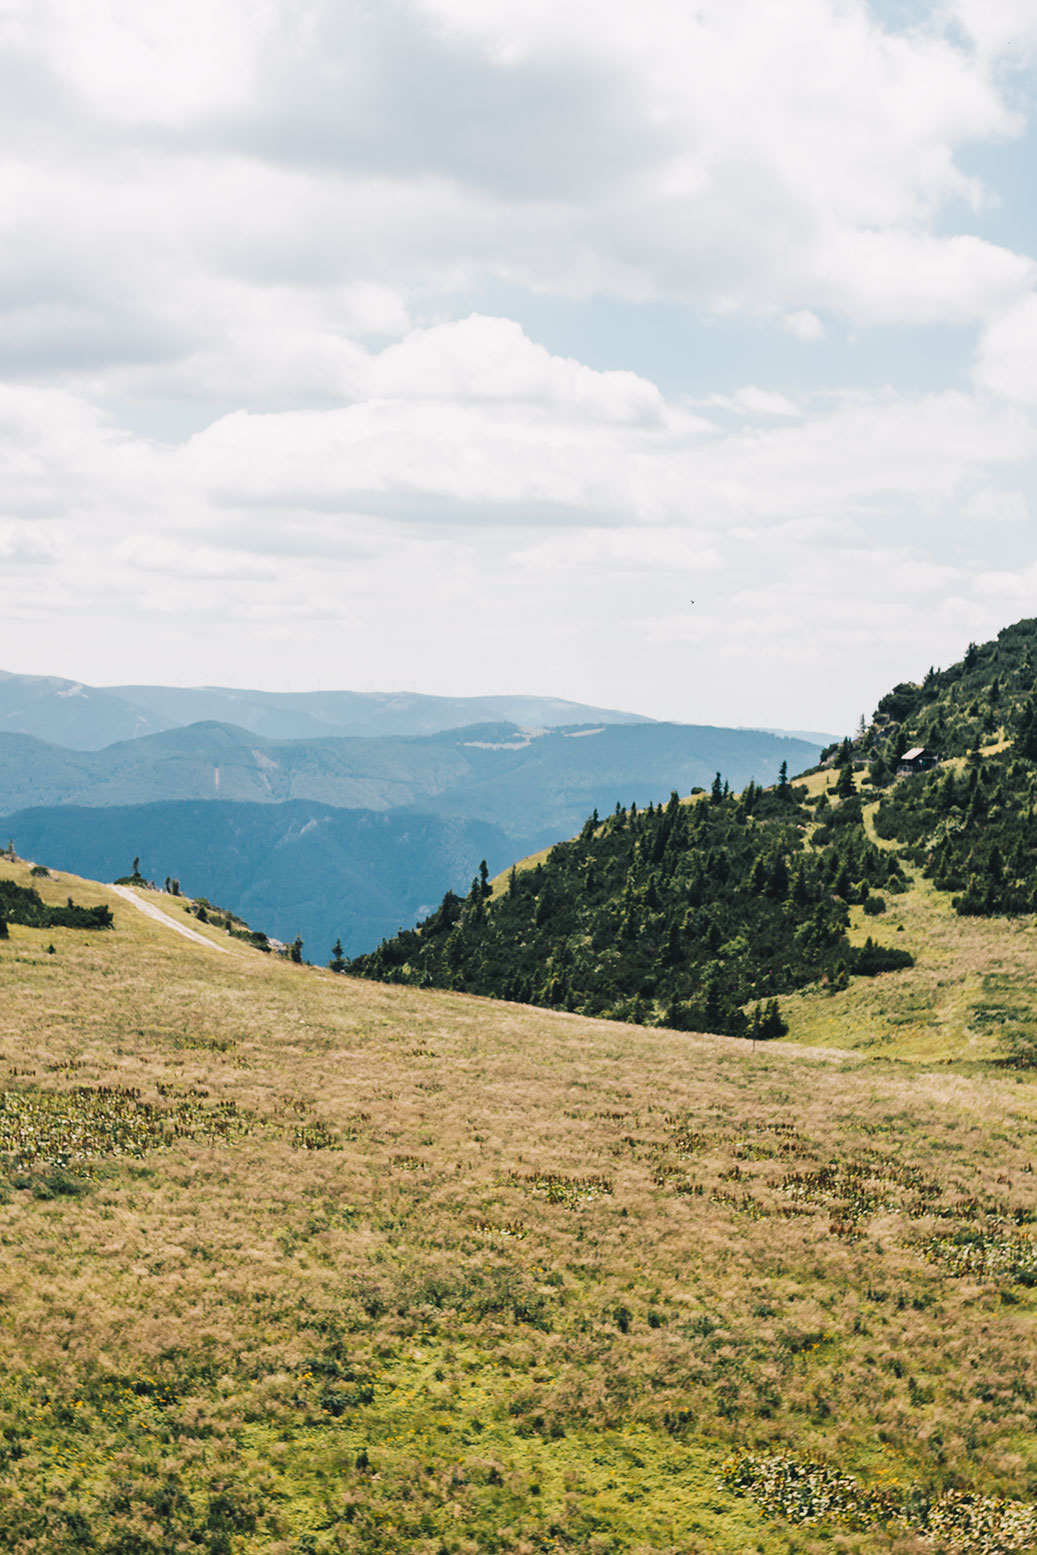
point(914, 753)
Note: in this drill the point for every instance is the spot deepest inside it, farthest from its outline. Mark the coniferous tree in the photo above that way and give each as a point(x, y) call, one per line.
point(1026, 730)
point(846, 785)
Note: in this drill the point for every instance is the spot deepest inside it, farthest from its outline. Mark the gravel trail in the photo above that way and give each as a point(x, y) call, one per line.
point(159, 916)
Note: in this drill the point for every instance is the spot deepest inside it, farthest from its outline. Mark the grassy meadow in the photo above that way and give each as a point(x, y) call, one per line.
point(971, 996)
point(300, 1264)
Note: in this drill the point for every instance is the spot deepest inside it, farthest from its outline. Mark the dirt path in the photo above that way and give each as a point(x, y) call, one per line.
point(160, 917)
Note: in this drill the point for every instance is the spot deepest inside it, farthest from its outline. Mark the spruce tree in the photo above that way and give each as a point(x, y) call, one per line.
point(846, 785)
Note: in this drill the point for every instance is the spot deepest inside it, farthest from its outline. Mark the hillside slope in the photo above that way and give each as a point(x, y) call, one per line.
point(692, 916)
point(679, 915)
point(957, 709)
point(298, 1263)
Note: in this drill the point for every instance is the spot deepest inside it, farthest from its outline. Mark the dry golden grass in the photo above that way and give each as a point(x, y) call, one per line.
point(468, 1277)
point(973, 981)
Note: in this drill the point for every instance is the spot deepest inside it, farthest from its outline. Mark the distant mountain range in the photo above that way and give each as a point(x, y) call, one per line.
point(536, 787)
point(81, 717)
point(190, 802)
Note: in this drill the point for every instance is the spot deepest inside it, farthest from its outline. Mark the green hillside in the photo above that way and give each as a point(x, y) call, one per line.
point(958, 709)
point(680, 915)
point(303, 1265)
point(701, 915)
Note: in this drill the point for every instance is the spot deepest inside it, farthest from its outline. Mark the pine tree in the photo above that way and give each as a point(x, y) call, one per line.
point(712, 999)
point(1026, 730)
point(846, 785)
point(778, 884)
point(879, 771)
point(338, 960)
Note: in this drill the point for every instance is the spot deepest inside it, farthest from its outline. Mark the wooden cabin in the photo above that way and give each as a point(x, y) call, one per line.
point(918, 759)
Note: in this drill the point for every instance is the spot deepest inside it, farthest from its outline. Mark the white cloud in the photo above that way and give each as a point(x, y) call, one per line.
point(757, 402)
point(998, 507)
point(27, 543)
point(1015, 591)
point(491, 359)
point(804, 324)
point(152, 553)
point(295, 220)
point(148, 64)
point(1006, 361)
point(1006, 29)
point(217, 199)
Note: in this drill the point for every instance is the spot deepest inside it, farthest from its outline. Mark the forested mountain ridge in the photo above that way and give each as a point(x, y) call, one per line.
point(969, 823)
point(972, 703)
point(679, 915)
point(686, 915)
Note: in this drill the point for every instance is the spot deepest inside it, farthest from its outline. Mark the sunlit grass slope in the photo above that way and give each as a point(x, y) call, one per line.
point(300, 1264)
point(971, 995)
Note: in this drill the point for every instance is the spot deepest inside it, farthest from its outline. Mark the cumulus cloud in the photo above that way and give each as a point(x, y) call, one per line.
point(293, 222)
point(1006, 361)
point(220, 198)
point(1006, 31)
point(568, 520)
point(152, 553)
point(804, 324)
point(991, 505)
point(755, 401)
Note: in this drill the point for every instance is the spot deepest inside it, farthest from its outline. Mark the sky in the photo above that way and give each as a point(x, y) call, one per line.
point(677, 357)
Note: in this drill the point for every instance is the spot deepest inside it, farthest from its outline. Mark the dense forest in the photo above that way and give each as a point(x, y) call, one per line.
point(972, 831)
point(968, 824)
point(681, 914)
